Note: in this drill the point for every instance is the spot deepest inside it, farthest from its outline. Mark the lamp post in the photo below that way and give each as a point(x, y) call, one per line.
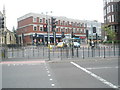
point(48, 32)
point(48, 26)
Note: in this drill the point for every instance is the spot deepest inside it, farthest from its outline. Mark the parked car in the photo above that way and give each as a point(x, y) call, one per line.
point(76, 44)
point(61, 45)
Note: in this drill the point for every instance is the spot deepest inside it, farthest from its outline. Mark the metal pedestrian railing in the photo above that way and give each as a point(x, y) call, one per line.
point(41, 52)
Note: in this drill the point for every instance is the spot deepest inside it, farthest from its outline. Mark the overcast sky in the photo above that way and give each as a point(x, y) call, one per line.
point(76, 9)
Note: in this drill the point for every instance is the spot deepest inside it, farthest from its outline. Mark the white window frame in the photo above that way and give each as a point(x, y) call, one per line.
point(34, 19)
point(34, 27)
point(41, 20)
point(41, 28)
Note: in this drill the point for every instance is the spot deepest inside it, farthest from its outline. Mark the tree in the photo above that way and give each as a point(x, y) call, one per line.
point(111, 34)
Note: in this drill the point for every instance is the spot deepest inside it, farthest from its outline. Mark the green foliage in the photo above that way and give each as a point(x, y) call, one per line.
point(111, 33)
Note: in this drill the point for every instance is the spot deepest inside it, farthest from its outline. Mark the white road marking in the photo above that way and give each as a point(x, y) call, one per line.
point(8, 64)
point(52, 85)
point(101, 67)
point(51, 79)
point(49, 75)
point(95, 76)
point(48, 71)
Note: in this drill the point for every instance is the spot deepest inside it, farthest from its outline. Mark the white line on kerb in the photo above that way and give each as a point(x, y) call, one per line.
point(95, 76)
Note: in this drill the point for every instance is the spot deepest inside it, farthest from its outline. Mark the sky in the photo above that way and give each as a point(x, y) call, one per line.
point(75, 9)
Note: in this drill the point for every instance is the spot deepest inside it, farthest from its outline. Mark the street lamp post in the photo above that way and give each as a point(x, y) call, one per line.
point(48, 32)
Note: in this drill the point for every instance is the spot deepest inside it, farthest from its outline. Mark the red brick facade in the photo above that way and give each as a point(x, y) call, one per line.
point(28, 27)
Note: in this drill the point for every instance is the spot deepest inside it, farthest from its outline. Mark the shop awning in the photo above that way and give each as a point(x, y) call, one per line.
point(82, 37)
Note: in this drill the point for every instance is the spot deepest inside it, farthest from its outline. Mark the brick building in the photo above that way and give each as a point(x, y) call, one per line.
point(30, 28)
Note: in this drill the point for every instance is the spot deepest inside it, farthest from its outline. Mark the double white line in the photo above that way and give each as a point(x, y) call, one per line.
point(95, 76)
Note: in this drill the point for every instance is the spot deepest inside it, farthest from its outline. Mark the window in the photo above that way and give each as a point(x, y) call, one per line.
point(34, 19)
point(56, 29)
point(112, 8)
point(61, 23)
point(65, 30)
point(81, 31)
point(35, 28)
point(10, 39)
point(74, 30)
point(41, 28)
point(56, 22)
point(41, 20)
point(112, 18)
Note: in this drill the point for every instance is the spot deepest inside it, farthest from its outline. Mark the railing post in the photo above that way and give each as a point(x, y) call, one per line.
point(109, 51)
point(114, 50)
point(33, 51)
point(23, 51)
point(12, 51)
point(77, 52)
point(99, 51)
point(61, 53)
point(92, 51)
point(38, 50)
point(88, 51)
point(104, 52)
point(67, 52)
point(43, 51)
point(49, 53)
point(83, 53)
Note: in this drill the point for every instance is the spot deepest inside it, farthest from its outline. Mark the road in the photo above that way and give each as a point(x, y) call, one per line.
point(89, 73)
point(28, 74)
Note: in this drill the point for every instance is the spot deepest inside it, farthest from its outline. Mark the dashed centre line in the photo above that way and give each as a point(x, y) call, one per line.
point(49, 75)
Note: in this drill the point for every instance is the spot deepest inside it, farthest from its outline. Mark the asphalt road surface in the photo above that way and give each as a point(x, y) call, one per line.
point(87, 73)
point(94, 73)
point(27, 74)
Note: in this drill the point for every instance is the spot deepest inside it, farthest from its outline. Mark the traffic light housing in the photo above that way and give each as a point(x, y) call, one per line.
point(94, 29)
point(72, 35)
point(87, 33)
point(63, 35)
point(53, 23)
point(1, 22)
point(45, 27)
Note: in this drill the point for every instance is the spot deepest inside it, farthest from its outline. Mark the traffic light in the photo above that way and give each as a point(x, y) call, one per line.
point(63, 35)
point(87, 33)
point(72, 35)
point(53, 23)
point(94, 29)
point(45, 27)
point(1, 22)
